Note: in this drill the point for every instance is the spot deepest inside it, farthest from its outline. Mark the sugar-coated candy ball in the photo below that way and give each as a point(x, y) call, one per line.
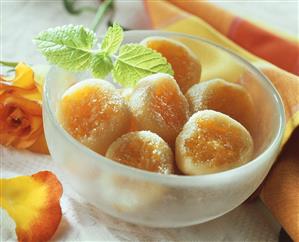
point(94, 113)
point(186, 66)
point(144, 150)
point(226, 97)
point(212, 142)
point(158, 105)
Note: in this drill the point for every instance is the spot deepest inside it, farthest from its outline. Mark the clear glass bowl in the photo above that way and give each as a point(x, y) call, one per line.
point(157, 200)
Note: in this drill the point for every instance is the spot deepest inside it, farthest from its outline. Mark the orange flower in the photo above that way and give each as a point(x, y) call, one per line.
point(33, 203)
point(21, 123)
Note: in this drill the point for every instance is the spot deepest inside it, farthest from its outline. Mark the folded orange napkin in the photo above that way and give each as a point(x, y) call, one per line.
point(278, 58)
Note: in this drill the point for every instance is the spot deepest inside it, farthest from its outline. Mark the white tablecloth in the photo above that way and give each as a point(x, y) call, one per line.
point(20, 21)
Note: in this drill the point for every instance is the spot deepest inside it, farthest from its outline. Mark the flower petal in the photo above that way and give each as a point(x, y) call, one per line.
point(20, 121)
point(31, 107)
point(20, 108)
point(33, 203)
point(25, 141)
point(24, 77)
point(30, 94)
point(40, 145)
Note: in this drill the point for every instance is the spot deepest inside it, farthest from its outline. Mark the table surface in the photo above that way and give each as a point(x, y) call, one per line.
point(20, 21)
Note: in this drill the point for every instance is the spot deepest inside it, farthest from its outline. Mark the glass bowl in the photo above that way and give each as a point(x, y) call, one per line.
point(157, 200)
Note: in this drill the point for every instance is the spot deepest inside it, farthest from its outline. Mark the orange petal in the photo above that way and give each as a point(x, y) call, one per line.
point(6, 139)
point(28, 106)
point(31, 94)
point(25, 141)
point(33, 203)
point(28, 116)
point(40, 145)
point(24, 77)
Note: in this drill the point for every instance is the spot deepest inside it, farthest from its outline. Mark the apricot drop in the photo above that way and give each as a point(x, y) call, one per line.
point(226, 97)
point(186, 67)
point(144, 150)
point(158, 105)
point(212, 142)
point(94, 113)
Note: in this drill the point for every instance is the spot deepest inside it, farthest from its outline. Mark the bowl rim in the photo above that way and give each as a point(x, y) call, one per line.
point(173, 178)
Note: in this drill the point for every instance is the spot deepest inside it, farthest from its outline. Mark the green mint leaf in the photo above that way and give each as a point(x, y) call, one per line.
point(68, 46)
point(101, 65)
point(135, 62)
point(112, 39)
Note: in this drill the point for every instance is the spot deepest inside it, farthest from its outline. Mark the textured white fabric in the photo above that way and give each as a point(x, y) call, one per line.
point(23, 19)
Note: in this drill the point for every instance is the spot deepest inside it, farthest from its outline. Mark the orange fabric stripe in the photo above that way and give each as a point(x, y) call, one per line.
point(158, 19)
point(266, 45)
point(280, 189)
point(216, 17)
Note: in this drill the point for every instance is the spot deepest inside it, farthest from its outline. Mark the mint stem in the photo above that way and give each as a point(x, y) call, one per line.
point(9, 64)
point(71, 8)
point(103, 8)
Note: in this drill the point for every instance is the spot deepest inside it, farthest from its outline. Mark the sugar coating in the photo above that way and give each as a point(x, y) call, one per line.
point(211, 142)
point(158, 105)
point(226, 97)
point(144, 150)
point(94, 113)
point(126, 92)
point(186, 67)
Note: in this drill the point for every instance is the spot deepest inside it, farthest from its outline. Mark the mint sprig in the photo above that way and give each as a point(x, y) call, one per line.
point(71, 47)
point(113, 38)
point(136, 61)
point(68, 46)
point(101, 65)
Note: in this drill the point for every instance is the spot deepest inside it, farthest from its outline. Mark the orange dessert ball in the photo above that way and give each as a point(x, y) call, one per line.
point(212, 142)
point(158, 105)
point(186, 67)
point(144, 150)
point(226, 97)
point(94, 113)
